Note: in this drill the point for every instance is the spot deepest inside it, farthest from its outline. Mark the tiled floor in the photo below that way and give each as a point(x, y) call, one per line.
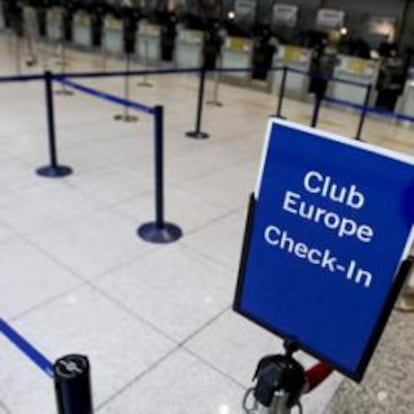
point(74, 277)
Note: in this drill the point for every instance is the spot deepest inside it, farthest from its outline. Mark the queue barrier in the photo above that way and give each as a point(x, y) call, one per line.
point(70, 374)
point(372, 110)
point(21, 78)
point(106, 96)
point(328, 78)
point(158, 231)
point(364, 109)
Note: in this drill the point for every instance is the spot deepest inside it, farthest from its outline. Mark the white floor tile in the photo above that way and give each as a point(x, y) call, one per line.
point(178, 288)
point(206, 159)
point(235, 345)
point(15, 176)
point(111, 185)
point(222, 240)
point(181, 208)
point(23, 145)
point(83, 158)
point(46, 204)
point(5, 232)
point(23, 386)
point(174, 289)
point(246, 344)
point(93, 244)
point(230, 187)
point(135, 148)
point(179, 385)
point(28, 278)
point(87, 323)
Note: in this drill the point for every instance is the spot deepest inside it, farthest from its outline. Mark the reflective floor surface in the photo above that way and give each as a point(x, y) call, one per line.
point(156, 321)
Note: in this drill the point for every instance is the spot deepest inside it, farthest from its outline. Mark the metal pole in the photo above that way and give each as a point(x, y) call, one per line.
point(198, 134)
point(103, 48)
point(159, 166)
point(217, 76)
point(18, 55)
point(126, 86)
point(73, 389)
point(282, 92)
point(363, 113)
point(159, 231)
point(145, 81)
point(51, 119)
point(63, 90)
point(126, 116)
point(316, 108)
point(53, 169)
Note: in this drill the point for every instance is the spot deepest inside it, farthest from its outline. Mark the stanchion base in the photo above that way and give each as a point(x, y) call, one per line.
point(146, 84)
point(54, 172)
point(152, 233)
point(64, 92)
point(126, 118)
point(215, 103)
point(197, 135)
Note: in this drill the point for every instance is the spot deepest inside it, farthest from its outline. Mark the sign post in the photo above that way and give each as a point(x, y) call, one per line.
point(330, 223)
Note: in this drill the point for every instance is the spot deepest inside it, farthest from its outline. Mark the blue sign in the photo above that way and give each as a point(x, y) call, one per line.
point(333, 218)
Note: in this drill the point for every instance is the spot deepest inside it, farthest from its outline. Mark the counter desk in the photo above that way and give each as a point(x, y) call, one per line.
point(82, 31)
point(149, 43)
point(353, 69)
point(113, 35)
point(237, 53)
point(188, 48)
point(295, 57)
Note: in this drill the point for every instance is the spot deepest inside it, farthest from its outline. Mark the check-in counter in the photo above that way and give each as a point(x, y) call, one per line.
point(55, 23)
point(2, 20)
point(82, 33)
point(295, 57)
point(148, 43)
point(405, 103)
point(353, 69)
point(113, 35)
point(237, 53)
point(188, 48)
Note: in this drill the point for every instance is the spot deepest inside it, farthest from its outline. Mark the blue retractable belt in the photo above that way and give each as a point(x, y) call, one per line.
point(26, 348)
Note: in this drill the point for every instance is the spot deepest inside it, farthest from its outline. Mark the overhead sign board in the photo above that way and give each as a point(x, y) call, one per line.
point(285, 15)
point(330, 19)
point(331, 220)
point(384, 26)
point(245, 9)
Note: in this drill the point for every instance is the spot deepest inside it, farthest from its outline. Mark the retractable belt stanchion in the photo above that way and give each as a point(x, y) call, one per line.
point(159, 231)
point(217, 76)
point(9, 34)
point(126, 116)
point(145, 82)
point(53, 170)
point(282, 93)
point(316, 109)
point(63, 90)
point(103, 50)
point(197, 133)
point(71, 374)
point(281, 381)
point(363, 113)
point(18, 54)
point(73, 385)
